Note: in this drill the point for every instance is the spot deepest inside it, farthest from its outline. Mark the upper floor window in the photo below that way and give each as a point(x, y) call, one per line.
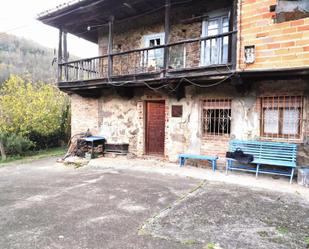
point(282, 117)
point(153, 58)
point(215, 51)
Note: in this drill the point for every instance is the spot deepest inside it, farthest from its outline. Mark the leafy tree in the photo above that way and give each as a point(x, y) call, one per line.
point(28, 108)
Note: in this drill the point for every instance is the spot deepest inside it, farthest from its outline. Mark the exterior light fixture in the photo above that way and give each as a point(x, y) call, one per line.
point(249, 54)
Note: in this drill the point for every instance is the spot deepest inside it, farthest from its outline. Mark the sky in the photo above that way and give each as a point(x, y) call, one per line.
point(18, 17)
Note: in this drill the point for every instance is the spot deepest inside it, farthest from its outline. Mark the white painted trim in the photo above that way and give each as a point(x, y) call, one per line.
point(147, 38)
point(211, 16)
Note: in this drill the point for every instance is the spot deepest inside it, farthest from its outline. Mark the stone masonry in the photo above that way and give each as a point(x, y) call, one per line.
point(122, 121)
point(278, 46)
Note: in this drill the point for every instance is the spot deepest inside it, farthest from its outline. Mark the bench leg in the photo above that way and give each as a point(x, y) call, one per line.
point(214, 165)
point(182, 161)
point(292, 175)
point(227, 167)
point(257, 170)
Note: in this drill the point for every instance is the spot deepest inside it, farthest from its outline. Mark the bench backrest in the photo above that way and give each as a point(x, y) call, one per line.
point(266, 150)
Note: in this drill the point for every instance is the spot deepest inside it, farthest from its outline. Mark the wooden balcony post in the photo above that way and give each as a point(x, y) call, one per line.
point(233, 37)
point(167, 34)
point(110, 47)
point(65, 54)
point(60, 56)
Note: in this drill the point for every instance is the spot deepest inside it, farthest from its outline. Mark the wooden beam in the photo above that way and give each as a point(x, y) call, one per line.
point(110, 46)
point(60, 55)
point(65, 54)
point(65, 47)
point(233, 37)
point(167, 28)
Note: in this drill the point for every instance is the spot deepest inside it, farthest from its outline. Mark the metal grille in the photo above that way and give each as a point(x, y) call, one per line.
point(216, 117)
point(282, 117)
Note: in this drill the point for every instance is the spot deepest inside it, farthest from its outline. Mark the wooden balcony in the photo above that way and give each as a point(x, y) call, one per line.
point(193, 58)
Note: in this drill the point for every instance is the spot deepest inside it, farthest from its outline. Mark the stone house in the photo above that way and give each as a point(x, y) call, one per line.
point(176, 76)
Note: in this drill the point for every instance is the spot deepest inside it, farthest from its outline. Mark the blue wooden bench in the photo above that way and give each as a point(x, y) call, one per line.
point(211, 159)
point(265, 153)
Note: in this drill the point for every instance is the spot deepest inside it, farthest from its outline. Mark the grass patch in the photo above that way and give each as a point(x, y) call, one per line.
point(210, 246)
point(60, 151)
point(262, 234)
point(282, 230)
point(188, 242)
point(307, 242)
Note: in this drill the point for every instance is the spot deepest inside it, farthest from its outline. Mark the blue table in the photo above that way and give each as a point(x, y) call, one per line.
point(92, 140)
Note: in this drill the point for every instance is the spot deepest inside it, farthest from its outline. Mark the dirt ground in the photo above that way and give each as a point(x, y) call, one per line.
point(44, 205)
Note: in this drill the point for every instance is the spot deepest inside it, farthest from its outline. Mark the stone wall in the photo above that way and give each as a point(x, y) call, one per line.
point(123, 121)
point(128, 37)
point(85, 114)
point(278, 45)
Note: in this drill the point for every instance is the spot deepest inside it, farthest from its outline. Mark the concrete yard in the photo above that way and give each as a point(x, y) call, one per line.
point(47, 205)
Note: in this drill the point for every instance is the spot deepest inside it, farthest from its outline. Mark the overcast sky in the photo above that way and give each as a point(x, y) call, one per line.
point(18, 17)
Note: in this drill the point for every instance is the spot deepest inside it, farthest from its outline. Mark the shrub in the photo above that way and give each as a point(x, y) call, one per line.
point(36, 112)
point(15, 144)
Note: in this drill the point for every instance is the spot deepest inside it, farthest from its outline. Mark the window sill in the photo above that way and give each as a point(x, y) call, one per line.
point(223, 137)
point(283, 140)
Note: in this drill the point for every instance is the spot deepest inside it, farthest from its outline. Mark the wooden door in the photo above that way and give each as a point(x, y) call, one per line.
point(155, 127)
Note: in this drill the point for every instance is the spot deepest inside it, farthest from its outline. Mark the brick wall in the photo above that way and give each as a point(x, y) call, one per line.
point(216, 146)
point(278, 45)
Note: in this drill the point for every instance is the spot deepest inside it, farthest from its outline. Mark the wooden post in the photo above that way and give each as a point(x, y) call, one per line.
point(167, 34)
point(110, 47)
point(60, 56)
point(65, 55)
point(233, 37)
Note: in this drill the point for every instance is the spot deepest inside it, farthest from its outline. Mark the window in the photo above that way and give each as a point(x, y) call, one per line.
point(216, 117)
point(282, 117)
point(215, 51)
point(153, 58)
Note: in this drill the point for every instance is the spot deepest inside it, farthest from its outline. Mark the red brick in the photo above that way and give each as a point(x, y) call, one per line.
point(274, 45)
point(303, 28)
point(298, 22)
point(288, 44)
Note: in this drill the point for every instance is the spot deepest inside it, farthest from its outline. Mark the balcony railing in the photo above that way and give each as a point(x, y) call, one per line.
point(174, 57)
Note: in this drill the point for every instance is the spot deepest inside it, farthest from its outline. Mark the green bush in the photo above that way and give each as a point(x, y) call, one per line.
point(32, 115)
point(15, 144)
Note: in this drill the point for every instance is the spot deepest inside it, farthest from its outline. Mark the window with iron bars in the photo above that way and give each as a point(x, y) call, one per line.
point(282, 117)
point(216, 117)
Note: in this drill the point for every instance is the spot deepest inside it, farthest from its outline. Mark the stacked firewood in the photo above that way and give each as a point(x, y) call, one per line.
point(78, 147)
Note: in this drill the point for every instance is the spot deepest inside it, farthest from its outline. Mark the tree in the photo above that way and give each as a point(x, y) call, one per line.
point(2, 151)
point(27, 108)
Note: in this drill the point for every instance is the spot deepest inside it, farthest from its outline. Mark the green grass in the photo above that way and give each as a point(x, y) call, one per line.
point(283, 230)
point(60, 151)
point(210, 246)
point(307, 241)
point(188, 242)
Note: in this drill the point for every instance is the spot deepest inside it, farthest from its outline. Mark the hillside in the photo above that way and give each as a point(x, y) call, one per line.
point(25, 58)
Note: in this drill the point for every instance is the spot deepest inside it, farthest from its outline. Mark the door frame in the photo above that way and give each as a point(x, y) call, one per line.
point(146, 126)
